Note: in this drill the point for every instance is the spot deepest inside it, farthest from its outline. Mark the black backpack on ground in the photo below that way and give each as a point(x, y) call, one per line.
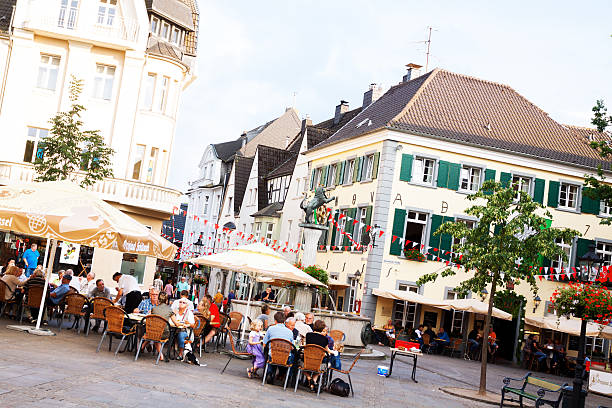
point(339, 387)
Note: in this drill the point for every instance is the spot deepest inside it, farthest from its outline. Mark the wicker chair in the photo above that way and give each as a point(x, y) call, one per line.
point(453, 347)
point(337, 335)
point(234, 353)
point(346, 372)
point(34, 299)
point(115, 316)
point(236, 321)
point(155, 326)
point(221, 334)
point(99, 304)
point(5, 303)
point(426, 344)
point(313, 361)
point(279, 351)
point(74, 307)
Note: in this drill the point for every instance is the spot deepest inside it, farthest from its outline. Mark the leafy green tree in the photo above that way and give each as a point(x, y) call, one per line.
point(596, 185)
point(69, 152)
point(507, 242)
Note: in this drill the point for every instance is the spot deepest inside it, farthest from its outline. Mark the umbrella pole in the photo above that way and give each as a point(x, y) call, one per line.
point(47, 277)
point(248, 311)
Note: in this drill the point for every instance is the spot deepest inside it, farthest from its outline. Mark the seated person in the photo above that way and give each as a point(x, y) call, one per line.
point(183, 318)
point(265, 316)
point(100, 290)
point(11, 279)
point(317, 337)
point(214, 316)
point(334, 357)
point(301, 326)
point(559, 354)
point(161, 309)
point(279, 330)
point(184, 295)
point(36, 279)
point(58, 294)
point(535, 348)
point(492, 338)
point(474, 340)
point(441, 341)
point(147, 304)
point(417, 335)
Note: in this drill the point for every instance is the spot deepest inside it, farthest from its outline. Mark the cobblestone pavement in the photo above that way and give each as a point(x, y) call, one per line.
point(66, 371)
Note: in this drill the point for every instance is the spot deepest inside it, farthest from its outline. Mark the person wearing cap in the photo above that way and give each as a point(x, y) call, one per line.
point(128, 286)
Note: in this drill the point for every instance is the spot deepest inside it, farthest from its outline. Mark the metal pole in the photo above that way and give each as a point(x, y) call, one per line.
point(517, 332)
point(47, 277)
point(579, 365)
point(248, 311)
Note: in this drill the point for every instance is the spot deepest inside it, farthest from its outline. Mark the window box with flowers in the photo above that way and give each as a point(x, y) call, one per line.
point(586, 301)
point(414, 255)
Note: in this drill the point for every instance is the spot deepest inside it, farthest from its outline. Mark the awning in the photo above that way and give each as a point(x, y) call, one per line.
point(335, 284)
point(409, 297)
point(570, 326)
point(476, 306)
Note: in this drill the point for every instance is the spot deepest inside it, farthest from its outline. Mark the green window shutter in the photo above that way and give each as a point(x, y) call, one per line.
point(406, 169)
point(589, 205)
point(333, 229)
point(365, 238)
point(453, 176)
point(497, 229)
point(538, 191)
point(351, 212)
point(375, 165)
point(505, 179)
point(355, 169)
point(489, 175)
point(436, 221)
point(399, 222)
point(543, 261)
point(324, 171)
point(446, 240)
point(360, 170)
point(582, 247)
point(443, 173)
point(553, 194)
point(338, 173)
point(312, 177)
point(342, 168)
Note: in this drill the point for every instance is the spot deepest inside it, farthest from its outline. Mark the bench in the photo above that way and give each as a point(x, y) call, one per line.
point(543, 388)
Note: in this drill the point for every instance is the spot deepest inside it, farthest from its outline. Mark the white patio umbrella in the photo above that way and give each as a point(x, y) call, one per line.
point(570, 326)
point(476, 306)
point(257, 261)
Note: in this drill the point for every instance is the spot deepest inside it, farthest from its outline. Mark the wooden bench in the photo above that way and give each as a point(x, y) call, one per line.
point(543, 387)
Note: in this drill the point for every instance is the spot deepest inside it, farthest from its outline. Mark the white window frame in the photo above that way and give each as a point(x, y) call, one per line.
point(163, 94)
point(519, 185)
point(348, 171)
point(206, 201)
point(418, 171)
point(102, 80)
point(331, 175)
point(69, 13)
point(48, 70)
point(155, 25)
point(34, 135)
point(341, 227)
point(417, 220)
point(176, 39)
point(468, 170)
point(604, 250)
point(317, 177)
point(568, 248)
point(152, 166)
point(269, 231)
point(576, 205)
point(139, 152)
point(107, 12)
point(352, 294)
point(460, 241)
point(369, 167)
point(165, 26)
point(150, 83)
point(362, 213)
point(605, 209)
point(406, 311)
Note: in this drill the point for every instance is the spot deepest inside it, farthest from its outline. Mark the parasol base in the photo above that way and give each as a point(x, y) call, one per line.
point(31, 330)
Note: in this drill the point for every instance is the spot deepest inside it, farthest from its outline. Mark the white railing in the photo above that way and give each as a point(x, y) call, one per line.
point(127, 192)
point(66, 21)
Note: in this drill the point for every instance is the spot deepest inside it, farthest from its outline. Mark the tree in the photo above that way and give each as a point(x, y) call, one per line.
point(505, 245)
point(596, 186)
point(69, 151)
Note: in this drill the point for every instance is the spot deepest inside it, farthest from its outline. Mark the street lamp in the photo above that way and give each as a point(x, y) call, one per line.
point(199, 244)
point(536, 302)
point(590, 264)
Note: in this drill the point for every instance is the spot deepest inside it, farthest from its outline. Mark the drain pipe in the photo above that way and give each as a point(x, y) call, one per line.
point(8, 60)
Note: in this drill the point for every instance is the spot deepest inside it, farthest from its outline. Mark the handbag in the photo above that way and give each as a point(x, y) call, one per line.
point(339, 387)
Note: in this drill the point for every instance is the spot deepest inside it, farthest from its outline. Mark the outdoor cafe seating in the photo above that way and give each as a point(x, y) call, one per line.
point(156, 331)
point(116, 318)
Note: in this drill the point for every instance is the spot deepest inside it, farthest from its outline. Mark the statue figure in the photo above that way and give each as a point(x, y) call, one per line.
point(311, 206)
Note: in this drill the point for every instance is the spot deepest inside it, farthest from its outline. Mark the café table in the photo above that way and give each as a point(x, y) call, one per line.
point(413, 354)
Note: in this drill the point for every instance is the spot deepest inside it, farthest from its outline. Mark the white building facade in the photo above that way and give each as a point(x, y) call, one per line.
point(135, 58)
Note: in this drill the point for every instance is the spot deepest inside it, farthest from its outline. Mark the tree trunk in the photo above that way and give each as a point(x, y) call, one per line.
point(482, 390)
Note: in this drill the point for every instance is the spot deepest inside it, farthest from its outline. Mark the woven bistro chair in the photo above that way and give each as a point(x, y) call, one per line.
point(198, 331)
point(220, 335)
point(236, 321)
point(426, 343)
point(5, 303)
point(115, 317)
point(33, 299)
point(313, 363)
point(346, 372)
point(98, 304)
point(74, 307)
point(453, 347)
point(279, 351)
point(337, 335)
point(234, 353)
point(155, 326)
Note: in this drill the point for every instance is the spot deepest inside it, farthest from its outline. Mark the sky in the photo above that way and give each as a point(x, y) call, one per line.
point(256, 58)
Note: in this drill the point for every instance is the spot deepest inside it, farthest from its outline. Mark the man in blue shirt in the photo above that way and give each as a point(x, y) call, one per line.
point(147, 304)
point(281, 330)
point(30, 259)
point(60, 292)
point(182, 285)
point(442, 340)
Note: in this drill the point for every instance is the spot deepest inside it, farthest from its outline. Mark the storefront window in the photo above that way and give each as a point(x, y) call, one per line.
point(134, 265)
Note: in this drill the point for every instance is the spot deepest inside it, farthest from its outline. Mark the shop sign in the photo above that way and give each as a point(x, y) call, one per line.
point(600, 382)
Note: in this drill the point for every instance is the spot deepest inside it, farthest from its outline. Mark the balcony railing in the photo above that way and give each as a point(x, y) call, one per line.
point(127, 192)
point(72, 22)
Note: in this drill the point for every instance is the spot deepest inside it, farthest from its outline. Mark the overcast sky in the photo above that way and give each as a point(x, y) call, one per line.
point(255, 55)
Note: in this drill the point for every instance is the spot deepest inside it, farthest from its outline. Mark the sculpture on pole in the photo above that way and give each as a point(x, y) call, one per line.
point(310, 206)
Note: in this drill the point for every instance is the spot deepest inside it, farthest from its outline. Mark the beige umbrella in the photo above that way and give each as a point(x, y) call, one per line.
point(63, 211)
point(570, 326)
point(408, 296)
point(335, 284)
point(257, 261)
point(476, 306)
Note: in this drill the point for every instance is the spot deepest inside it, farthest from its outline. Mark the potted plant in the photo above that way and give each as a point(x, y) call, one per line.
point(414, 255)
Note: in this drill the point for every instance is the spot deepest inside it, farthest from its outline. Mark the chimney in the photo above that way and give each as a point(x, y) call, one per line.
point(340, 110)
point(414, 71)
point(371, 95)
point(306, 122)
point(243, 137)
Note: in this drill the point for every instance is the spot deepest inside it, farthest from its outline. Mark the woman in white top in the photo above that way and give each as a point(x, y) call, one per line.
point(183, 318)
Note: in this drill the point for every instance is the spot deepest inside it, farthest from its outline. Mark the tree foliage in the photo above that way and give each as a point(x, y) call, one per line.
point(596, 185)
point(71, 153)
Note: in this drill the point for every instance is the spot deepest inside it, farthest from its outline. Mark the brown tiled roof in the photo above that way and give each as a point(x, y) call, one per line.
point(284, 169)
point(161, 47)
point(271, 210)
point(241, 178)
point(274, 133)
point(6, 12)
point(267, 159)
point(468, 110)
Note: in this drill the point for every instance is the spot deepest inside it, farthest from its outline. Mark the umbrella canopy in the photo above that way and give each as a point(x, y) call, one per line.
point(570, 326)
point(335, 284)
point(257, 260)
point(476, 306)
point(409, 297)
point(64, 211)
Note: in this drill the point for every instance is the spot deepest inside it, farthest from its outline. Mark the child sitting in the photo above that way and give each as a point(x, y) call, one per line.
point(254, 347)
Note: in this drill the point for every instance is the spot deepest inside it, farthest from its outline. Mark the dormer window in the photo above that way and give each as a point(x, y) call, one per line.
point(165, 31)
point(176, 36)
point(107, 10)
point(154, 25)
